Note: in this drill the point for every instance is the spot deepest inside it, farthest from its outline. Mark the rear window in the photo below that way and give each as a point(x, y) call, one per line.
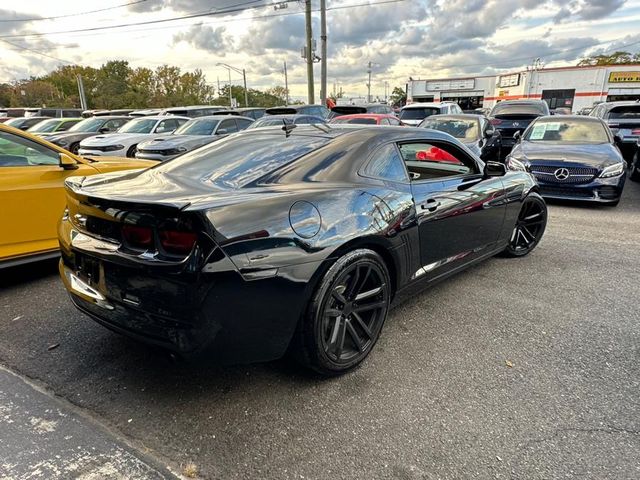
point(535, 109)
point(418, 113)
point(627, 112)
point(237, 161)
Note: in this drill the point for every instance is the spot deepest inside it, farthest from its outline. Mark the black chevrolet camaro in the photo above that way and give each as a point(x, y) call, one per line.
point(293, 239)
point(573, 158)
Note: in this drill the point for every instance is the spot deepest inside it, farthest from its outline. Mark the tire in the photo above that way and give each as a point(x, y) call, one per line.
point(131, 153)
point(341, 326)
point(529, 228)
point(634, 170)
point(74, 147)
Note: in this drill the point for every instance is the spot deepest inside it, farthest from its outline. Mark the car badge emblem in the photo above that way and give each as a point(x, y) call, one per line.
point(516, 124)
point(561, 174)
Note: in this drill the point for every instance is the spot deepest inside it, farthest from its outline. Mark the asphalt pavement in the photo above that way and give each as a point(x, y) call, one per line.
point(517, 368)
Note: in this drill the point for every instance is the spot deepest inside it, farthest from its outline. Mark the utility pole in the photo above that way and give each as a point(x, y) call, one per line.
point(310, 93)
point(369, 84)
point(246, 95)
point(323, 52)
point(230, 98)
point(83, 99)
point(286, 84)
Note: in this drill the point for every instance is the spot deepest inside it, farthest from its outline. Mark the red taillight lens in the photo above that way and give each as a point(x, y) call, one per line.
point(635, 131)
point(174, 241)
point(136, 236)
point(495, 121)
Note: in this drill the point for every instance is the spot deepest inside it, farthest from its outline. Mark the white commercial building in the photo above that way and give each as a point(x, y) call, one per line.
point(572, 87)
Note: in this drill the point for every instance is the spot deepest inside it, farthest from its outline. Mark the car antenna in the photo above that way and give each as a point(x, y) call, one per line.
point(287, 127)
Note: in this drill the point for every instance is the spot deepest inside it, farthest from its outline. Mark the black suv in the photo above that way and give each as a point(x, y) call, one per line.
point(511, 116)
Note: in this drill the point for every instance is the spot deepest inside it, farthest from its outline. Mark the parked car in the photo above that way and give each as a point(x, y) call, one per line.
point(125, 141)
point(53, 125)
point(146, 112)
point(367, 119)
point(511, 116)
point(270, 241)
point(623, 119)
point(280, 120)
point(585, 111)
point(53, 112)
point(193, 134)
point(312, 110)
point(193, 111)
point(88, 127)
point(474, 131)
point(572, 157)
point(32, 174)
point(251, 112)
point(415, 113)
point(375, 108)
point(561, 111)
point(24, 123)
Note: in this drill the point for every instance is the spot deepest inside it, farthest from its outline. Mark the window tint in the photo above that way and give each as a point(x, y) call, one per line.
point(504, 108)
point(386, 164)
point(418, 113)
point(243, 123)
point(167, 126)
point(19, 151)
point(465, 130)
point(626, 112)
point(425, 161)
point(228, 125)
point(234, 162)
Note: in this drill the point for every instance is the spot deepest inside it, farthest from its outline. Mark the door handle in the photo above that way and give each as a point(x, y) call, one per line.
point(431, 205)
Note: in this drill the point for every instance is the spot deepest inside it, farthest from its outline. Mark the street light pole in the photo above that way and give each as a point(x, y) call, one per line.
point(323, 52)
point(244, 79)
point(307, 15)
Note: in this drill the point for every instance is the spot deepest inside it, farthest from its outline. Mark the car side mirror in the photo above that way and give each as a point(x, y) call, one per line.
point(517, 136)
point(103, 130)
point(495, 169)
point(67, 163)
point(618, 138)
point(222, 131)
point(489, 132)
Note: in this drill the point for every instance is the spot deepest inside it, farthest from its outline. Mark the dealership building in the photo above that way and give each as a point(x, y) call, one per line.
point(572, 87)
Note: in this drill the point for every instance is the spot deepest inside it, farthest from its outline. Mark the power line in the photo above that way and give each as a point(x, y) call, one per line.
point(34, 19)
point(233, 9)
point(95, 30)
point(36, 52)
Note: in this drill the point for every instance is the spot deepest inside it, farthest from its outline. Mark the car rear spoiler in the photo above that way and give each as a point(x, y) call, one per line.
point(281, 111)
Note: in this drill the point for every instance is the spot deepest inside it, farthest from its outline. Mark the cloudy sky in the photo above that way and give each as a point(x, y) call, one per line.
point(403, 38)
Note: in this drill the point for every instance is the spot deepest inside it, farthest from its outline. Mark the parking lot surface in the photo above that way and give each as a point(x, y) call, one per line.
point(518, 368)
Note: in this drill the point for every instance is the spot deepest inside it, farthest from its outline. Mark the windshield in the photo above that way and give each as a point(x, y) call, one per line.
point(15, 122)
point(197, 127)
point(461, 129)
point(139, 125)
point(575, 131)
point(88, 125)
point(358, 121)
point(270, 122)
point(45, 126)
point(535, 109)
point(418, 113)
point(627, 112)
point(236, 161)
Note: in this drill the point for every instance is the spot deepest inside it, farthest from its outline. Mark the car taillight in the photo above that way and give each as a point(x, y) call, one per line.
point(495, 121)
point(136, 236)
point(635, 131)
point(174, 241)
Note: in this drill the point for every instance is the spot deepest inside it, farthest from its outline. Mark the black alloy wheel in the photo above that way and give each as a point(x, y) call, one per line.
point(529, 227)
point(346, 314)
point(74, 148)
point(131, 153)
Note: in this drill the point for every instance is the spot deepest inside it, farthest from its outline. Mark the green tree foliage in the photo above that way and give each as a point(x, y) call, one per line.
point(398, 97)
point(617, 58)
point(117, 85)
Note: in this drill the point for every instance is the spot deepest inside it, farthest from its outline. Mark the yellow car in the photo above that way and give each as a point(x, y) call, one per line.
point(32, 200)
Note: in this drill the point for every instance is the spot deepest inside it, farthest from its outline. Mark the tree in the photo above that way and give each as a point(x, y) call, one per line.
point(616, 58)
point(398, 97)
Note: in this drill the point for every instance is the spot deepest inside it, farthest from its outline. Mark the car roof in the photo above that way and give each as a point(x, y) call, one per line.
point(561, 118)
point(424, 105)
point(376, 116)
point(520, 102)
point(161, 117)
point(219, 118)
point(459, 116)
point(621, 103)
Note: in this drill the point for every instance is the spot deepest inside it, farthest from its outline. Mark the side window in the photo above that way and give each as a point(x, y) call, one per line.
point(17, 151)
point(427, 161)
point(112, 125)
point(384, 121)
point(242, 123)
point(386, 164)
point(65, 126)
point(166, 126)
point(227, 126)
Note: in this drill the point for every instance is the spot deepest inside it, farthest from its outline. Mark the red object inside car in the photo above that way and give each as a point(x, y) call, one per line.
point(435, 154)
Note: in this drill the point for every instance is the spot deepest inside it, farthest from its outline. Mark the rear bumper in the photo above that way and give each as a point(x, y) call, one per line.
point(213, 310)
point(600, 190)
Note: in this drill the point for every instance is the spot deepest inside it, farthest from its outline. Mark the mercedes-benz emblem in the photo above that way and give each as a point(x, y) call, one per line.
point(561, 174)
point(516, 124)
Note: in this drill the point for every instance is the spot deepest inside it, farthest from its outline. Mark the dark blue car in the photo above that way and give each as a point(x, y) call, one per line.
point(572, 158)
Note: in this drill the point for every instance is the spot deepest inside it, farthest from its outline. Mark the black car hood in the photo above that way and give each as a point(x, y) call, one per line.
point(590, 155)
